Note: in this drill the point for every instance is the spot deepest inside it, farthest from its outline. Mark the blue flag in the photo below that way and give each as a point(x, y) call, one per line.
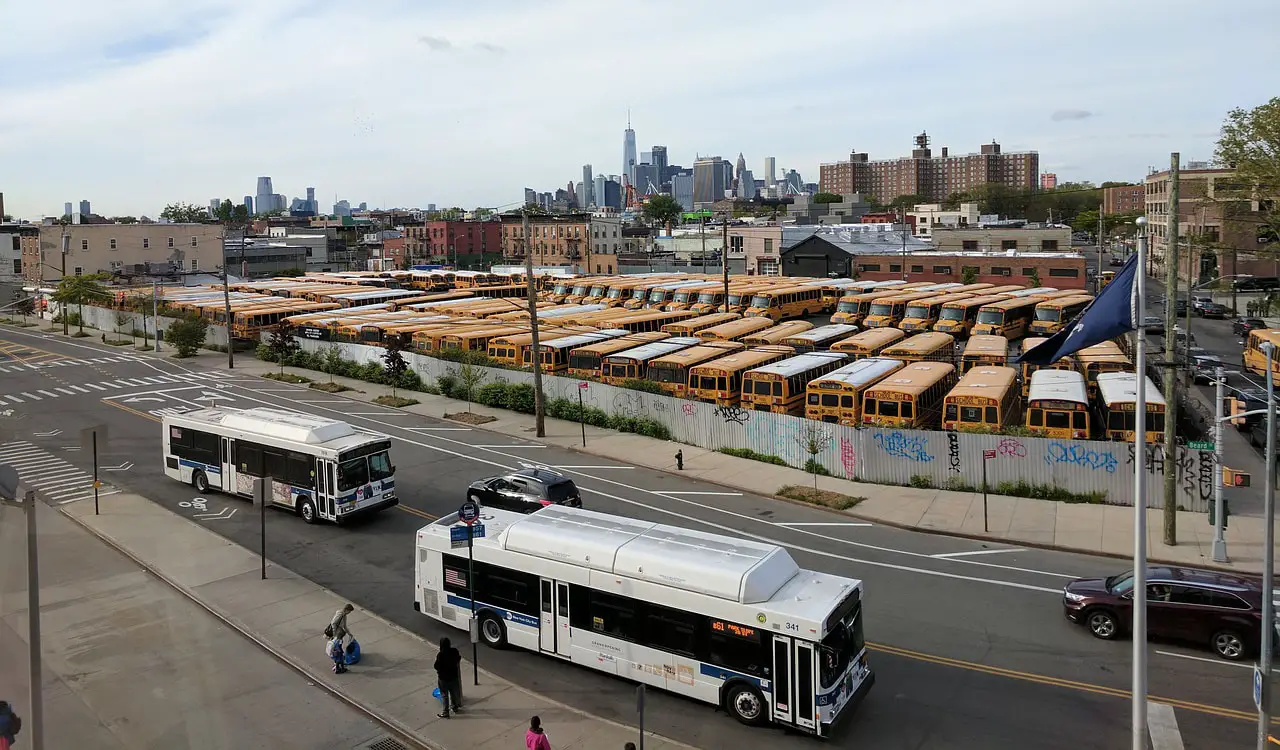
point(1115, 311)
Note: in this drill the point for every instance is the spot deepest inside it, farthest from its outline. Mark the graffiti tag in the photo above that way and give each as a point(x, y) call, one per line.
point(1078, 455)
point(1154, 462)
point(848, 457)
point(902, 445)
point(1012, 448)
point(735, 414)
point(953, 451)
point(688, 410)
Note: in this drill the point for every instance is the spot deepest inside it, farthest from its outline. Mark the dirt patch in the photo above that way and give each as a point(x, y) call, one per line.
point(396, 401)
point(825, 498)
point(329, 387)
point(467, 417)
point(286, 377)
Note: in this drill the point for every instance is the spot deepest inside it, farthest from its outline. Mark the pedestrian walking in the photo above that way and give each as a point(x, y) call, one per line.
point(10, 725)
point(629, 746)
point(339, 656)
point(338, 625)
point(535, 738)
point(449, 676)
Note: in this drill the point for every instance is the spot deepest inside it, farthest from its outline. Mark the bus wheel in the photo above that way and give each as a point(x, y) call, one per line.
point(746, 705)
point(307, 510)
point(200, 482)
point(493, 631)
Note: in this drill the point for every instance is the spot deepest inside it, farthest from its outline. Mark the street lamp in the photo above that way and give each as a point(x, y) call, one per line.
point(9, 496)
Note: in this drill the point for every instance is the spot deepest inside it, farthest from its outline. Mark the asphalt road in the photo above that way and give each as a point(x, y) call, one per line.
point(971, 649)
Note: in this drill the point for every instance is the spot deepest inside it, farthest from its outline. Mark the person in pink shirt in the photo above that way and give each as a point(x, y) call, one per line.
point(535, 738)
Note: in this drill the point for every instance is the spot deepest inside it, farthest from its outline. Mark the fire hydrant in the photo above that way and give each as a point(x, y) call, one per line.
point(680, 460)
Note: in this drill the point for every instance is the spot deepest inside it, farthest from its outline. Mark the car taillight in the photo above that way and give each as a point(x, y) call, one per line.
point(545, 502)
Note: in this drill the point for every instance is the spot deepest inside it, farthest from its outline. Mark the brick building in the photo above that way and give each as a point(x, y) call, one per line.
point(1124, 199)
point(559, 240)
point(1220, 235)
point(96, 248)
point(461, 243)
point(934, 178)
point(1002, 239)
point(1058, 270)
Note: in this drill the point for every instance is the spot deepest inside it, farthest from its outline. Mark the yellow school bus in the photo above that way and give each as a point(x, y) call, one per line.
point(786, 303)
point(922, 314)
point(556, 352)
point(734, 329)
point(633, 364)
point(926, 347)
point(984, 350)
point(780, 387)
point(686, 297)
point(837, 396)
point(1101, 358)
point(1010, 318)
point(1255, 359)
point(1058, 405)
point(888, 312)
point(720, 380)
point(1116, 404)
point(820, 338)
point(960, 316)
point(1052, 314)
point(985, 398)
point(672, 372)
point(1064, 363)
point(661, 294)
point(644, 321)
point(585, 361)
point(868, 343)
point(775, 334)
point(691, 326)
point(476, 339)
point(910, 398)
point(510, 350)
point(1106, 277)
point(854, 308)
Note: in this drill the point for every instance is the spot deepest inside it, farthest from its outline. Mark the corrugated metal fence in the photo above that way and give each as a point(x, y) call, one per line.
point(882, 456)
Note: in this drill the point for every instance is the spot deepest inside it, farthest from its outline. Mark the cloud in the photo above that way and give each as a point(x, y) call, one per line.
point(491, 48)
point(1070, 114)
point(436, 43)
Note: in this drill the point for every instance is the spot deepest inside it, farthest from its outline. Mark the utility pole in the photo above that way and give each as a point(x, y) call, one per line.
point(1138, 688)
point(1170, 370)
point(539, 415)
point(226, 297)
point(903, 265)
point(1219, 517)
point(1269, 559)
point(155, 312)
point(1097, 280)
point(66, 245)
point(724, 261)
point(9, 491)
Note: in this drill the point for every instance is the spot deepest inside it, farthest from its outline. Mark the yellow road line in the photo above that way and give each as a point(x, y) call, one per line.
point(1221, 711)
point(417, 512)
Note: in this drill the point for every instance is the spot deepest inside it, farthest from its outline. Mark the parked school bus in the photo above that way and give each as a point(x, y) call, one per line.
point(853, 308)
point(1064, 363)
point(1255, 359)
point(820, 338)
point(1058, 405)
point(984, 398)
point(643, 321)
point(959, 317)
point(734, 329)
point(780, 387)
point(910, 398)
point(712, 300)
point(632, 364)
point(774, 334)
point(1010, 318)
point(672, 371)
point(427, 340)
point(1116, 405)
point(586, 361)
point(922, 314)
point(555, 353)
point(984, 350)
point(720, 380)
point(1101, 358)
point(932, 346)
point(686, 298)
point(510, 350)
point(786, 303)
point(837, 396)
point(477, 339)
point(1053, 314)
point(691, 326)
point(662, 294)
point(888, 312)
point(868, 343)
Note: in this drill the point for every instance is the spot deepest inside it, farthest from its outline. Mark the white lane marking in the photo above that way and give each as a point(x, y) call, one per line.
point(14, 399)
point(593, 467)
point(717, 494)
point(95, 387)
point(1219, 662)
point(50, 395)
point(730, 530)
point(439, 429)
point(67, 391)
point(322, 401)
point(979, 552)
point(100, 495)
point(793, 523)
point(31, 396)
point(1163, 726)
point(511, 446)
point(378, 413)
point(78, 388)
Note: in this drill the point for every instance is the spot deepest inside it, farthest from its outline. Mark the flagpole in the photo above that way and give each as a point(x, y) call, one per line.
point(1139, 718)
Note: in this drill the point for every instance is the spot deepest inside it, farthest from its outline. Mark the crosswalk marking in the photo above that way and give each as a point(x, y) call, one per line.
point(50, 395)
point(49, 475)
point(95, 387)
point(67, 391)
point(105, 385)
point(15, 399)
point(31, 396)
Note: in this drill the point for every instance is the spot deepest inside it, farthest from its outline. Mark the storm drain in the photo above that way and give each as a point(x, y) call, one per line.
point(384, 743)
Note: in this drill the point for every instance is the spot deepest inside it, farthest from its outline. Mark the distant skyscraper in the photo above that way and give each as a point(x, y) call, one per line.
point(588, 187)
point(530, 196)
point(84, 208)
point(770, 170)
point(312, 206)
point(66, 209)
point(363, 206)
point(214, 203)
point(682, 189)
point(660, 160)
point(648, 180)
point(746, 185)
point(613, 193)
point(248, 204)
point(711, 176)
point(265, 200)
point(628, 151)
point(342, 208)
point(646, 157)
point(599, 191)
point(741, 166)
point(580, 194)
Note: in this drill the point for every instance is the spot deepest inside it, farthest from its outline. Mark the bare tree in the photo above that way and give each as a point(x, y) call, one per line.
point(470, 377)
point(813, 440)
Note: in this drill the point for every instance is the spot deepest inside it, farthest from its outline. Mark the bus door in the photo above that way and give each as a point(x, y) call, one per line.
point(553, 630)
point(794, 686)
point(227, 479)
point(325, 475)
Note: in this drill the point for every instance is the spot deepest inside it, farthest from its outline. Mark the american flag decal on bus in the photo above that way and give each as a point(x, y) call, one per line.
point(454, 578)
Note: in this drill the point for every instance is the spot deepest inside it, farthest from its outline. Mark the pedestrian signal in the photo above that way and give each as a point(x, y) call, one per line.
point(1234, 478)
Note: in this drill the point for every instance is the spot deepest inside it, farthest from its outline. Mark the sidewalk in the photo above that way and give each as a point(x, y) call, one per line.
point(130, 663)
point(1093, 529)
point(285, 613)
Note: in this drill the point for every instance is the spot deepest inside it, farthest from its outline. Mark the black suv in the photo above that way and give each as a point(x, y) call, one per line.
point(1242, 326)
point(525, 490)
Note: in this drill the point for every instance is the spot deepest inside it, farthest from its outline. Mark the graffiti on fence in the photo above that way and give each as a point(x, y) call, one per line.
point(1195, 473)
point(688, 410)
point(1078, 455)
point(848, 457)
point(1011, 447)
point(1154, 462)
point(628, 403)
point(901, 445)
point(735, 414)
point(953, 451)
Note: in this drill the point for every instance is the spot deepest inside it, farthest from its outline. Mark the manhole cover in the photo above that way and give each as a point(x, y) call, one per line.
point(384, 743)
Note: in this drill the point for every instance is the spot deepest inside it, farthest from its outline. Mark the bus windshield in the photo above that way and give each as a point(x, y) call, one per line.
point(1049, 314)
point(359, 471)
point(846, 307)
point(760, 301)
point(953, 313)
point(841, 645)
point(882, 308)
point(918, 311)
point(991, 317)
point(707, 297)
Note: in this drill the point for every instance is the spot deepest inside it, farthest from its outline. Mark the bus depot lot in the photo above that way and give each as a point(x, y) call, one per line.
point(969, 651)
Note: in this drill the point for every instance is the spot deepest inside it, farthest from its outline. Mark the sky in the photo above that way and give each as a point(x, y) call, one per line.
point(403, 103)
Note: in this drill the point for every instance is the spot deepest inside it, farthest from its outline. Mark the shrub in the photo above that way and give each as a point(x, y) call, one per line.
point(921, 482)
point(648, 386)
point(447, 384)
point(814, 467)
point(262, 352)
point(1022, 488)
point(490, 394)
point(956, 484)
point(753, 455)
point(519, 397)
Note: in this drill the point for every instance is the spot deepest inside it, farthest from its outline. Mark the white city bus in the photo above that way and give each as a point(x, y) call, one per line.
point(321, 468)
point(728, 621)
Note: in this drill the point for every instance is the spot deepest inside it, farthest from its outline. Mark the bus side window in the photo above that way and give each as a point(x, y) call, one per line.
point(300, 469)
point(846, 402)
point(991, 415)
point(1037, 418)
point(248, 457)
point(273, 461)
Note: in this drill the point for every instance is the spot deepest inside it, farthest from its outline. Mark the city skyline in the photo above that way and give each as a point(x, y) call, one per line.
point(1090, 117)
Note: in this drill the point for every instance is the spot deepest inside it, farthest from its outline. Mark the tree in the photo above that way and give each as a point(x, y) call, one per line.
point(907, 201)
point(393, 365)
point(122, 317)
point(185, 213)
point(24, 307)
point(142, 306)
point(282, 345)
point(332, 362)
point(813, 440)
point(125, 219)
point(7, 217)
point(79, 290)
point(968, 275)
point(827, 198)
point(662, 210)
point(1085, 221)
point(226, 212)
point(1034, 278)
point(470, 377)
point(187, 335)
point(1250, 143)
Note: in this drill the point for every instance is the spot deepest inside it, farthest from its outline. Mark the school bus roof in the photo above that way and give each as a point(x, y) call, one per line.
point(986, 382)
point(870, 339)
point(921, 343)
point(700, 353)
point(1122, 387)
point(745, 360)
point(979, 301)
point(941, 299)
point(905, 297)
point(732, 328)
point(985, 343)
point(861, 373)
point(1014, 303)
point(799, 364)
point(656, 349)
point(822, 333)
point(1058, 385)
point(914, 379)
point(1073, 299)
point(621, 343)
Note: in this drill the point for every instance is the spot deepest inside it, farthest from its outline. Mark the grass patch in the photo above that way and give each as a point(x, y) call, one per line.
point(118, 342)
point(753, 455)
point(80, 335)
point(145, 348)
point(286, 377)
point(467, 417)
point(825, 498)
point(396, 401)
point(330, 387)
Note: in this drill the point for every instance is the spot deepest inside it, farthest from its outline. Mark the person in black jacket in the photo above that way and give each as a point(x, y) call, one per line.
point(449, 674)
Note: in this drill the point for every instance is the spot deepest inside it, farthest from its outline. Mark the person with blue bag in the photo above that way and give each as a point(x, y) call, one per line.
point(449, 674)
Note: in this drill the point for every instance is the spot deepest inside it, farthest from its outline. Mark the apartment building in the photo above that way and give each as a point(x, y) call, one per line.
point(16, 241)
point(1057, 270)
point(759, 247)
point(927, 217)
point(1002, 239)
point(1124, 199)
point(1219, 234)
point(934, 178)
point(558, 240)
point(108, 248)
point(462, 243)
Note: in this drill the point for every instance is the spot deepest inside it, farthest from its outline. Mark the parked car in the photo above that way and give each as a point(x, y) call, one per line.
point(1253, 398)
point(1116, 260)
point(525, 490)
point(1242, 326)
point(1220, 610)
point(1153, 324)
point(1179, 306)
point(1214, 310)
point(1204, 368)
point(1198, 302)
point(1257, 284)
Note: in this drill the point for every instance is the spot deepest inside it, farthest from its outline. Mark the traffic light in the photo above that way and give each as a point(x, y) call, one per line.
point(1235, 478)
point(1226, 513)
point(1236, 406)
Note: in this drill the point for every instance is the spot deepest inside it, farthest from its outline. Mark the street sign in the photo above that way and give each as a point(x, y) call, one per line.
point(988, 454)
point(459, 536)
point(468, 512)
point(1200, 445)
point(1257, 687)
point(582, 386)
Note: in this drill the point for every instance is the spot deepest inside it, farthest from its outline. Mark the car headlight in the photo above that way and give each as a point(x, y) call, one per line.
point(1073, 598)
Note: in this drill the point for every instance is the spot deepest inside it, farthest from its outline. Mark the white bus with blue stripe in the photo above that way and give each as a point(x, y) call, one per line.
point(731, 622)
point(322, 469)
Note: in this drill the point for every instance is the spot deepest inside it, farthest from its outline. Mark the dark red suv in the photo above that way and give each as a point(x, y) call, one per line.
point(1219, 610)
